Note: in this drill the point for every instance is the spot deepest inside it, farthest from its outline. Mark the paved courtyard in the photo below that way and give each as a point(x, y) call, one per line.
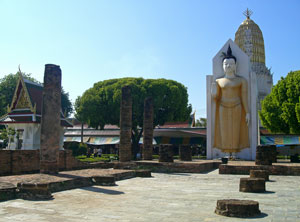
point(164, 197)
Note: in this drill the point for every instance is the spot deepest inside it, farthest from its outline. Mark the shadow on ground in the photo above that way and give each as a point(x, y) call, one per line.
point(102, 190)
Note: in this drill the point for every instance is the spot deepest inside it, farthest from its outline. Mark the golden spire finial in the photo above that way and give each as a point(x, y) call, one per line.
point(20, 72)
point(248, 13)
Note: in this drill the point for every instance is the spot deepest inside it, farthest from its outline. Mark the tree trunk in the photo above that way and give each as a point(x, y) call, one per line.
point(82, 132)
point(135, 137)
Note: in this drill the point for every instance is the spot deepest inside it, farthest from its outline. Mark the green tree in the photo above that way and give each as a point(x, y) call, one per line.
point(100, 104)
point(201, 122)
point(7, 88)
point(281, 108)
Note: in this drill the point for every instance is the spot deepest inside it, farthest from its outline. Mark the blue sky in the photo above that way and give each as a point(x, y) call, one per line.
point(94, 40)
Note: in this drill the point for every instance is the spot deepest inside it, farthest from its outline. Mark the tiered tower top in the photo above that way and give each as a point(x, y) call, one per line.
point(250, 39)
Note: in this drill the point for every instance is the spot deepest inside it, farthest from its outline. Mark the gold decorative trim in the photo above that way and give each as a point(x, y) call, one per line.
point(237, 150)
point(34, 109)
point(250, 39)
point(27, 93)
point(15, 93)
point(23, 90)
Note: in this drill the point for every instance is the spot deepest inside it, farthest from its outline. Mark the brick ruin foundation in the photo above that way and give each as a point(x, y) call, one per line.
point(14, 162)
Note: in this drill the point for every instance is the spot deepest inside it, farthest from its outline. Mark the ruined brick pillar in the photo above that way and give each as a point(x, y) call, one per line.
point(185, 153)
point(125, 125)
point(50, 123)
point(265, 154)
point(148, 129)
point(166, 153)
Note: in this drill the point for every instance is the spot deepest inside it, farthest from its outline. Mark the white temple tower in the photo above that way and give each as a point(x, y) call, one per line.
point(250, 39)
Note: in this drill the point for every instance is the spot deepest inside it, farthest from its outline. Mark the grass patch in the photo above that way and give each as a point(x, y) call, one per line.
point(92, 159)
point(177, 157)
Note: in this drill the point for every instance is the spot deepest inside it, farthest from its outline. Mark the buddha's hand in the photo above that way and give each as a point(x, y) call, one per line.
point(248, 118)
point(214, 89)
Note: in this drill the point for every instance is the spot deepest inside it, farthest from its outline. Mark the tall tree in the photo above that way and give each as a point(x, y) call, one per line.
point(281, 108)
point(7, 88)
point(201, 122)
point(100, 104)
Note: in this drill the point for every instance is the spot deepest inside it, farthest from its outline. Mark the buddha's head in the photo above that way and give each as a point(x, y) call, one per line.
point(229, 62)
point(229, 66)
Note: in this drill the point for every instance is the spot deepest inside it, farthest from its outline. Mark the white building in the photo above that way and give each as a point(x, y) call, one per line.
point(24, 117)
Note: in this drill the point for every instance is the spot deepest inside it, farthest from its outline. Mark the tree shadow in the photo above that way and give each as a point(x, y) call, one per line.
point(69, 176)
point(180, 174)
point(102, 190)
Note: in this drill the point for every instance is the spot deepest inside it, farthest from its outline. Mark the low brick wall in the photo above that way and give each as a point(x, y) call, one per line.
point(175, 167)
point(14, 162)
point(272, 170)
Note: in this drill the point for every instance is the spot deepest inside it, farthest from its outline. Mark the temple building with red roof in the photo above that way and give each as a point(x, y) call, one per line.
point(24, 116)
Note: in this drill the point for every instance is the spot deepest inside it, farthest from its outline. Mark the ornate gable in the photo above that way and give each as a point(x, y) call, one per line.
point(21, 98)
point(22, 102)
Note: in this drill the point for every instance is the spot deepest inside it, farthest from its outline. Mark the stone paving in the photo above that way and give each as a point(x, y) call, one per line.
point(62, 176)
point(164, 197)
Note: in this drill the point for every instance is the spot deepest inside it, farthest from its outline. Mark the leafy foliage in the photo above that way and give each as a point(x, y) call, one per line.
point(7, 89)
point(201, 122)
point(281, 108)
point(77, 148)
point(100, 104)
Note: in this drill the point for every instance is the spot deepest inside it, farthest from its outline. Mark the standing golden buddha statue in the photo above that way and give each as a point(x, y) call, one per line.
point(232, 114)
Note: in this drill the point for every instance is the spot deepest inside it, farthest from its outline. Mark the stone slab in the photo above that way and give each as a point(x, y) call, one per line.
point(40, 186)
point(244, 167)
point(163, 197)
point(259, 174)
point(143, 173)
point(253, 185)
point(237, 208)
point(7, 191)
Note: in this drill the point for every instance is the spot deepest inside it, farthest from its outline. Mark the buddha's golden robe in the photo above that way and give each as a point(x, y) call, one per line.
point(231, 130)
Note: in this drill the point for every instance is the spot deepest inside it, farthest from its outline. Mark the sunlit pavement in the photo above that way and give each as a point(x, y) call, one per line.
point(164, 197)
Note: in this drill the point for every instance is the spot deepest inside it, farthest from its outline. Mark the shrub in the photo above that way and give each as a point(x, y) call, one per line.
point(77, 148)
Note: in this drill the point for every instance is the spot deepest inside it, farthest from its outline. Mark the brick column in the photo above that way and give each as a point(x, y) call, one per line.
point(148, 129)
point(265, 154)
point(125, 125)
point(166, 153)
point(50, 123)
point(185, 152)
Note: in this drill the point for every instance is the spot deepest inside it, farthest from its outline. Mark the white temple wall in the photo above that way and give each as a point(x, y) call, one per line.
point(31, 136)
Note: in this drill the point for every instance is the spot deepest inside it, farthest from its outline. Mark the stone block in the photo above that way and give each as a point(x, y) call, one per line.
point(252, 185)
point(259, 174)
point(185, 153)
point(265, 154)
point(166, 153)
point(34, 191)
point(7, 191)
point(143, 173)
point(237, 208)
point(104, 180)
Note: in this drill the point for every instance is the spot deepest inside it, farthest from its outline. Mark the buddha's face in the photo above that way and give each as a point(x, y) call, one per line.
point(229, 66)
